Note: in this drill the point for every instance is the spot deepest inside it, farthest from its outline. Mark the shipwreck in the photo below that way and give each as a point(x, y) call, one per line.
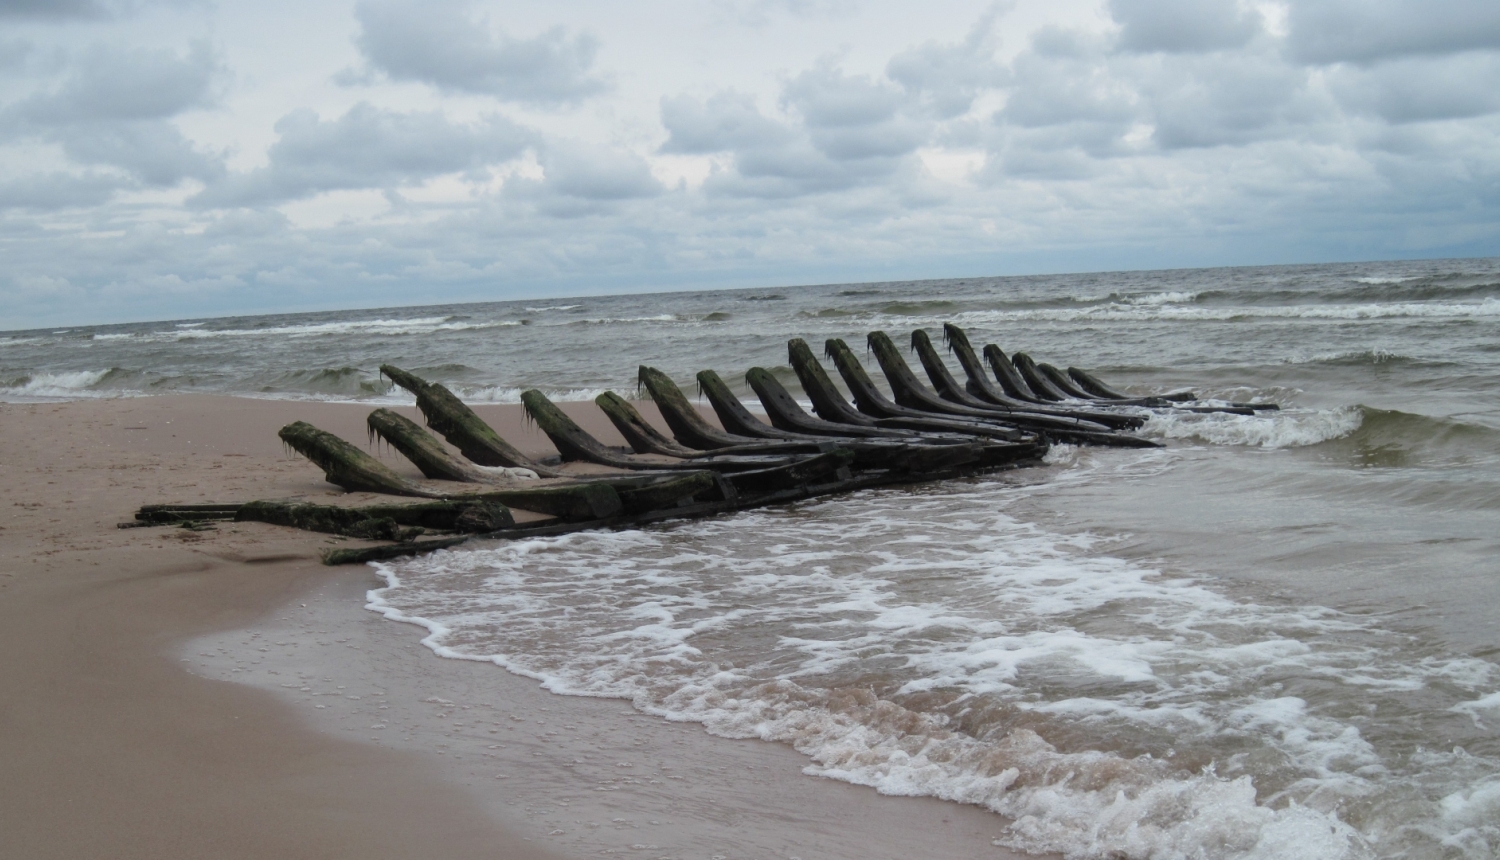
point(1007, 413)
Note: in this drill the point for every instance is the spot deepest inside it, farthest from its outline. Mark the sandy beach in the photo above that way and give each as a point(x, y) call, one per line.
point(172, 693)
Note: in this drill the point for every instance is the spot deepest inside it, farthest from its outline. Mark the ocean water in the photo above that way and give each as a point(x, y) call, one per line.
point(1277, 636)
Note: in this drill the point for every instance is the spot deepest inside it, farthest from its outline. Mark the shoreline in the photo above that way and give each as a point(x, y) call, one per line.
point(125, 754)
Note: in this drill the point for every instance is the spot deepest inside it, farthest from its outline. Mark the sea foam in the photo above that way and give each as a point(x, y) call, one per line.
point(1108, 709)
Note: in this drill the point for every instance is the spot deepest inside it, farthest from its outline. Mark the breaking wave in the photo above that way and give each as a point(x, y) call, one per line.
point(62, 386)
point(1288, 428)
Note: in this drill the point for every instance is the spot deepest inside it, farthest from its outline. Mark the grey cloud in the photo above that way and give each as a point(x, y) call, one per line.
point(365, 148)
point(795, 170)
point(153, 150)
point(50, 9)
point(828, 98)
point(58, 191)
point(1230, 99)
point(114, 84)
point(725, 121)
point(1185, 26)
point(113, 106)
point(444, 45)
point(1415, 89)
point(1362, 31)
point(597, 173)
point(1066, 79)
point(946, 78)
point(14, 53)
point(851, 133)
point(853, 116)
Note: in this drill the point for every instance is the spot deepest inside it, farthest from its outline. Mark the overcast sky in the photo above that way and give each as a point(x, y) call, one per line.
point(176, 159)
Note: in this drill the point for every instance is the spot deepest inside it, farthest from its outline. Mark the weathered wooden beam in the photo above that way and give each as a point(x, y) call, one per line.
point(690, 428)
point(1006, 374)
point(639, 433)
point(421, 447)
point(367, 554)
point(347, 466)
point(733, 414)
point(465, 430)
point(1024, 414)
point(382, 522)
point(1039, 384)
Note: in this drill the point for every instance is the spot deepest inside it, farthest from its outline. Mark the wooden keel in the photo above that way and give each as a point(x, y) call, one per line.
point(382, 522)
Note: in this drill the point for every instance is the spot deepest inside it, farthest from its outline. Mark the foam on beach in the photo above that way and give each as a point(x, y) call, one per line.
point(1108, 709)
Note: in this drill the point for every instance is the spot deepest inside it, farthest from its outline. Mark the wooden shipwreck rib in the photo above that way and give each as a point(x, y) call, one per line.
point(1001, 420)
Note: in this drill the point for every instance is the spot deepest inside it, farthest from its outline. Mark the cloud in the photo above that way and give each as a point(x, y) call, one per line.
point(725, 121)
point(113, 107)
point(1230, 99)
point(14, 53)
point(1183, 26)
point(50, 9)
point(57, 190)
point(367, 147)
point(1172, 135)
point(153, 151)
point(852, 116)
point(1065, 78)
point(1415, 89)
point(444, 45)
point(111, 83)
point(597, 172)
point(946, 78)
point(1364, 31)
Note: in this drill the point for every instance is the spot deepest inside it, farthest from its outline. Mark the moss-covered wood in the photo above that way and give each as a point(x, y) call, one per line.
point(421, 447)
point(949, 389)
point(572, 441)
point(692, 430)
point(827, 402)
point(665, 492)
point(638, 432)
point(457, 423)
point(733, 414)
point(347, 466)
point(1088, 382)
point(1006, 374)
point(383, 522)
point(367, 554)
point(589, 500)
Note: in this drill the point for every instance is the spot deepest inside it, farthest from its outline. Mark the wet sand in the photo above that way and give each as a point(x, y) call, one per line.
point(171, 693)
